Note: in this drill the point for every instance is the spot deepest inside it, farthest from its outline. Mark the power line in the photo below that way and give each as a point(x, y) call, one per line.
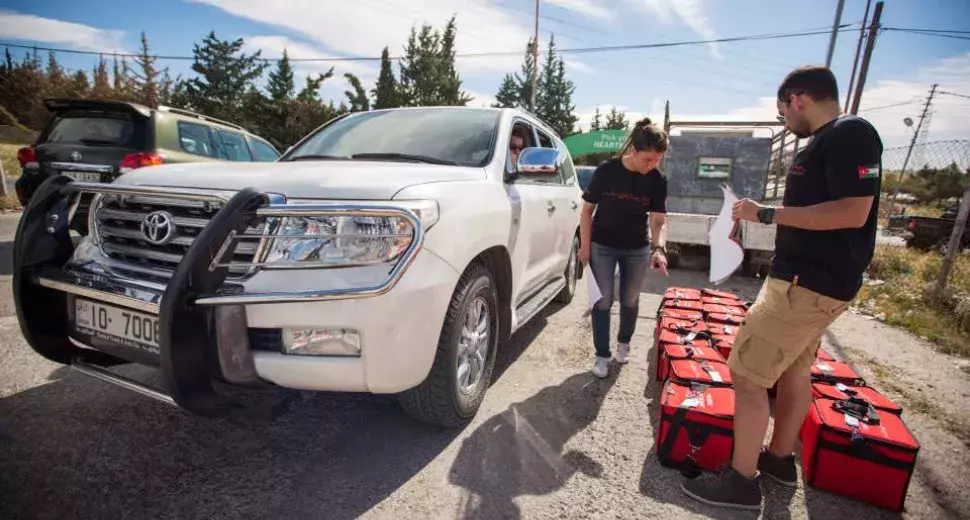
point(890, 106)
point(924, 33)
point(577, 50)
point(927, 30)
point(953, 94)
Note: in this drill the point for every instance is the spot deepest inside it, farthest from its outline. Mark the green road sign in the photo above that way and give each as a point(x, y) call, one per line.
point(596, 142)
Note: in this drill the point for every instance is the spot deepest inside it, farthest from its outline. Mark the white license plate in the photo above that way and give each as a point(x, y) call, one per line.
point(83, 176)
point(123, 326)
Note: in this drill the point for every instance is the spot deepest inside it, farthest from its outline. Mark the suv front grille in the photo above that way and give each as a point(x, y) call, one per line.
point(120, 224)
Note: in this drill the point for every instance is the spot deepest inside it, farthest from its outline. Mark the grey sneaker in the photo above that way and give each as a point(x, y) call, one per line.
point(781, 469)
point(726, 489)
point(622, 353)
point(601, 368)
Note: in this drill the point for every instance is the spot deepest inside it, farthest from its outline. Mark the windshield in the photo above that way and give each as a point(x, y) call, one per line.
point(91, 129)
point(459, 136)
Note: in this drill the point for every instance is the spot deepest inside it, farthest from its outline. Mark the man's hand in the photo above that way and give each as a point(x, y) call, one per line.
point(584, 255)
point(746, 209)
point(658, 262)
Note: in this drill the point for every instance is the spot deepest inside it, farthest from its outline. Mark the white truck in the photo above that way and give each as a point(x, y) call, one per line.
point(389, 252)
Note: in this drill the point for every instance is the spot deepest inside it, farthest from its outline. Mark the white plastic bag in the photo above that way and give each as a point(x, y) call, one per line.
point(592, 288)
point(726, 252)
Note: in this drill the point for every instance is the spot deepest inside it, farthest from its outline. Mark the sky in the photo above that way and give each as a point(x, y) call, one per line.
point(723, 81)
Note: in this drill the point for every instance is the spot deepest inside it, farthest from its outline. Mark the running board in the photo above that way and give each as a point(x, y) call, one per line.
point(538, 301)
point(110, 377)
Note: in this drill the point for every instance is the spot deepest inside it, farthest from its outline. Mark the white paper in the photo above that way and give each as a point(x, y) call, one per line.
point(592, 288)
point(715, 376)
point(824, 367)
point(726, 254)
point(690, 402)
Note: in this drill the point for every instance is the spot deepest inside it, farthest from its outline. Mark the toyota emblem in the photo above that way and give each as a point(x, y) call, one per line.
point(76, 156)
point(158, 227)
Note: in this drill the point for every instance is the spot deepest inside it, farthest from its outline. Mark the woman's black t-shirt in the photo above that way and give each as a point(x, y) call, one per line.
point(624, 199)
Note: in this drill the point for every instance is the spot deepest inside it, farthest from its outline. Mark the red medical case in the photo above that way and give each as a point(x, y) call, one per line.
point(704, 372)
point(698, 350)
point(852, 449)
point(836, 372)
point(695, 430)
point(724, 319)
point(682, 293)
point(838, 391)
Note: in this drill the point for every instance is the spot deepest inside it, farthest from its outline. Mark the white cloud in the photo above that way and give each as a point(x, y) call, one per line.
point(272, 47)
point(479, 99)
point(589, 8)
point(27, 27)
point(363, 28)
point(578, 66)
point(950, 119)
point(692, 13)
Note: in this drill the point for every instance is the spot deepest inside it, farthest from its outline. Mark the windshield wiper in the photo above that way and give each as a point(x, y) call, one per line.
point(404, 157)
point(316, 157)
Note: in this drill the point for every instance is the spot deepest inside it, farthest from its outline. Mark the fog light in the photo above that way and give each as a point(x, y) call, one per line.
point(321, 342)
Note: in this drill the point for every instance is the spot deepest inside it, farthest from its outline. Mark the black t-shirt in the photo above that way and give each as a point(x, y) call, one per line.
point(623, 201)
point(844, 159)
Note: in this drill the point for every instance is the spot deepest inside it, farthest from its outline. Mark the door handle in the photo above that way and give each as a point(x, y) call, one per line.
point(550, 207)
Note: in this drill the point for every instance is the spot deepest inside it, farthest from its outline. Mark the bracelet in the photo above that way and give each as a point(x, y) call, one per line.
point(662, 249)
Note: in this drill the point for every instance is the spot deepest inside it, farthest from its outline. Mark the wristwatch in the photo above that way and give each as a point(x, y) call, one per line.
point(766, 215)
point(654, 249)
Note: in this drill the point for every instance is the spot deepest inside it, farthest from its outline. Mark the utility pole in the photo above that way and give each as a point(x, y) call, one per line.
point(956, 241)
point(926, 108)
point(864, 69)
point(855, 61)
point(835, 33)
point(535, 62)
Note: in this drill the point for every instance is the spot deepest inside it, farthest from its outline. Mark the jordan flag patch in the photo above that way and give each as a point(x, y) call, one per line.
point(868, 172)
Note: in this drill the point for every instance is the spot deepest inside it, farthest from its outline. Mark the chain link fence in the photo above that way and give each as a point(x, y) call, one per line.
point(934, 155)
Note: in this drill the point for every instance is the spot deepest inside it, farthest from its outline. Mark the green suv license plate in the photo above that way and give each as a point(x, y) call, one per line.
point(118, 325)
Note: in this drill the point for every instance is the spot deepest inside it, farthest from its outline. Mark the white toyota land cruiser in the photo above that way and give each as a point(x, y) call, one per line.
point(390, 252)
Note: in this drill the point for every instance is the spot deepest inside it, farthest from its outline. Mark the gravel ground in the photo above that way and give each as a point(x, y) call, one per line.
point(551, 440)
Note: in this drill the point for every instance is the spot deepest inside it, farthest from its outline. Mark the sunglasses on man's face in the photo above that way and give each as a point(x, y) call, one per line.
point(781, 119)
point(515, 148)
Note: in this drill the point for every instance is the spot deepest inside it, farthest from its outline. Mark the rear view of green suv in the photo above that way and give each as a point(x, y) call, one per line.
point(96, 141)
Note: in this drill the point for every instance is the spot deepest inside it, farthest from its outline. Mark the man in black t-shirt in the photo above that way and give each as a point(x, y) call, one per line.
point(826, 235)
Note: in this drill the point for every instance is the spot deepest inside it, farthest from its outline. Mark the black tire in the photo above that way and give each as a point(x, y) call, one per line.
point(438, 399)
point(573, 269)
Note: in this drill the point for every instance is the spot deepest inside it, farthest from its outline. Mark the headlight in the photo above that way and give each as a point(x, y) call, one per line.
point(338, 240)
point(426, 210)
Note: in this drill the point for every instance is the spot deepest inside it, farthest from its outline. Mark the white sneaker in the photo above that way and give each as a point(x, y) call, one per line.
point(601, 368)
point(622, 353)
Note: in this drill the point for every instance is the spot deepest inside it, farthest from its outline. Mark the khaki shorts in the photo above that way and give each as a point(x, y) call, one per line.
point(782, 332)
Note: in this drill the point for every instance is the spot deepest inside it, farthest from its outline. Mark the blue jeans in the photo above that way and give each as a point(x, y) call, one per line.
point(633, 268)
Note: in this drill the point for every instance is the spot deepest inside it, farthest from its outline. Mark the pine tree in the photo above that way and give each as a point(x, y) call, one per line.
point(563, 119)
point(57, 81)
point(224, 74)
point(596, 124)
point(8, 60)
point(450, 84)
point(525, 79)
point(386, 91)
point(280, 84)
point(79, 86)
point(102, 83)
point(616, 120)
point(509, 94)
point(146, 87)
point(311, 91)
point(359, 101)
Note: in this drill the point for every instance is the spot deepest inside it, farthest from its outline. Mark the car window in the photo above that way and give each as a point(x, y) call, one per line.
point(91, 129)
point(264, 152)
point(463, 136)
point(568, 169)
point(525, 131)
point(196, 139)
point(233, 146)
point(545, 141)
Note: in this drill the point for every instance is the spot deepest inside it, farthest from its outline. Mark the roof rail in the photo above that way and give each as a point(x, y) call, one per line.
point(189, 113)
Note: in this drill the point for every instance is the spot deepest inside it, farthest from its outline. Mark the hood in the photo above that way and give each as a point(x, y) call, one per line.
point(334, 179)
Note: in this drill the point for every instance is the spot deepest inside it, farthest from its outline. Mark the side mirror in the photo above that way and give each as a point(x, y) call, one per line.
point(539, 161)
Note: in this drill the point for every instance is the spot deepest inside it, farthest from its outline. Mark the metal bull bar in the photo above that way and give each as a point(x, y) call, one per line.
point(193, 299)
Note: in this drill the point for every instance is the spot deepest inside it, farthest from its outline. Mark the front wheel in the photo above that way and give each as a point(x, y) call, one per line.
point(462, 369)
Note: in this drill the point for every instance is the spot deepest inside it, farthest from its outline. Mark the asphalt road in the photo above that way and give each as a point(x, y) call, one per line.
point(551, 441)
